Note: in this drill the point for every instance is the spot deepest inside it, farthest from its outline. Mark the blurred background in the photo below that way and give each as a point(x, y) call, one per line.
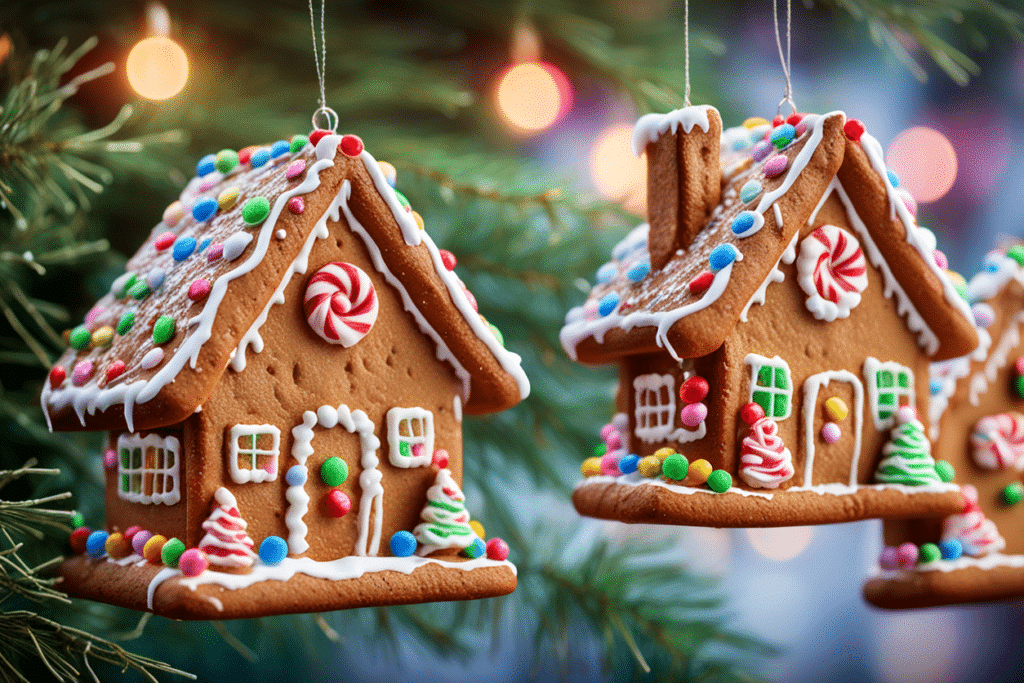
point(509, 123)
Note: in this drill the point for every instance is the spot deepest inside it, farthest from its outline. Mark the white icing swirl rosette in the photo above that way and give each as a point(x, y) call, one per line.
point(977, 534)
point(340, 303)
point(998, 441)
point(765, 462)
point(832, 271)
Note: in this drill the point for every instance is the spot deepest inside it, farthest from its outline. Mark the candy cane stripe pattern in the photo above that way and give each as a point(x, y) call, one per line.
point(832, 271)
point(998, 441)
point(765, 462)
point(341, 303)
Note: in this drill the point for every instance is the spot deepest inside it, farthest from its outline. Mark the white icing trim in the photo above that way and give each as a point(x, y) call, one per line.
point(756, 362)
point(778, 215)
point(168, 444)
point(253, 474)
point(948, 373)
point(408, 417)
point(998, 359)
point(648, 406)
point(812, 385)
point(872, 366)
point(650, 127)
point(788, 256)
point(457, 407)
point(990, 561)
point(355, 421)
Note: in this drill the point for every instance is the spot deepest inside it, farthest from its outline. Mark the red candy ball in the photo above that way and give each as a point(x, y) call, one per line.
point(794, 119)
point(448, 259)
point(351, 145)
point(130, 532)
point(199, 289)
point(164, 240)
point(702, 282)
point(338, 503)
point(854, 129)
point(497, 549)
point(78, 538)
point(440, 458)
point(245, 154)
point(318, 135)
point(57, 376)
point(693, 390)
point(751, 413)
point(1018, 365)
point(778, 120)
point(115, 369)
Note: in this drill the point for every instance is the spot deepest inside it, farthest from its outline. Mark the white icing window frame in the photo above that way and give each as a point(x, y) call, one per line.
point(756, 362)
point(253, 474)
point(648, 406)
point(137, 472)
point(872, 366)
point(407, 418)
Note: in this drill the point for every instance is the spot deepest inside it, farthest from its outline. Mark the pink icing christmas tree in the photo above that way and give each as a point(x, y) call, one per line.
point(977, 534)
point(226, 543)
point(765, 462)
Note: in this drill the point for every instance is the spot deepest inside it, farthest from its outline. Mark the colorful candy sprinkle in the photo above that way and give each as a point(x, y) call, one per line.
point(317, 135)
point(163, 329)
point(984, 315)
point(193, 562)
point(854, 129)
point(693, 414)
point(929, 553)
point(1016, 252)
point(80, 338)
point(775, 166)
point(57, 376)
point(720, 481)
point(744, 221)
point(125, 322)
point(693, 389)
point(448, 259)
point(894, 179)
point(722, 256)
point(475, 549)
point(82, 372)
point(183, 248)
point(122, 284)
point(215, 252)
point(255, 210)
point(751, 413)
point(95, 544)
point(152, 359)
point(419, 220)
point(245, 154)
point(497, 550)
point(227, 198)
point(750, 190)
point(1013, 493)
point(296, 205)
point(115, 370)
point(226, 160)
point(628, 463)
point(755, 121)
point(259, 157)
point(117, 547)
point(477, 528)
point(951, 549)
point(606, 273)
point(295, 169)
point(140, 290)
point(389, 171)
point(783, 135)
point(280, 148)
point(173, 214)
point(649, 466)
point(403, 201)
point(591, 467)
point(199, 289)
point(298, 142)
point(699, 471)
point(351, 145)
point(830, 432)
point(273, 550)
point(639, 271)
point(103, 336)
point(165, 239)
point(334, 471)
point(171, 553)
point(151, 551)
point(155, 277)
point(139, 540)
point(610, 465)
point(206, 165)
point(836, 409)
point(79, 538)
point(906, 555)
point(403, 544)
point(675, 467)
point(235, 245)
point(761, 150)
point(663, 453)
point(701, 282)
point(908, 200)
point(608, 303)
point(204, 209)
point(940, 259)
point(337, 503)
point(109, 459)
point(794, 119)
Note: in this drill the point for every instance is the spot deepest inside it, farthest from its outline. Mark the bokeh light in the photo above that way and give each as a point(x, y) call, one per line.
point(925, 161)
point(618, 174)
point(533, 96)
point(781, 544)
point(157, 68)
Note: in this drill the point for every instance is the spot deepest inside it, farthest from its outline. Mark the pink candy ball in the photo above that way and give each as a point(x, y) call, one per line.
point(693, 414)
point(906, 414)
point(906, 555)
point(296, 204)
point(908, 200)
point(614, 441)
point(610, 465)
point(295, 169)
point(889, 559)
point(193, 562)
point(775, 166)
point(130, 532)
point(830, 432)
point(497, 549)
point(970, 493)
point(607, 431)
point(139, 540)
point(940, 259)
point(109, 459)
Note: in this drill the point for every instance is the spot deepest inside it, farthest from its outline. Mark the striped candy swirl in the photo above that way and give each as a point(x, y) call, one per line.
point(765, 462)
point(341, 303)
point(998, 441)
point(832, 271)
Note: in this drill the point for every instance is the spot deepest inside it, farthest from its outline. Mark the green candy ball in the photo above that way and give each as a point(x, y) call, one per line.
point(1013, 493)
point(600, 449)
point(945, 471)
point(255, 210)
point(163, 330)
point(1017, 254)
point(226, 160)
point(298, 142)
point(334, 471)
point(128, 284)
point(497, 334)
point(140, 290)
point(675, 467)
point(1020, 386)
point(77, 520)
point(929, 553)
point(171, 552)
point(720, 481)
point(125, 323)
point(403, 201)
point(80, 337)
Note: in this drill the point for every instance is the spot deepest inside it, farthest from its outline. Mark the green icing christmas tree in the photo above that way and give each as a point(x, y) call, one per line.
point(908, 454)
point(445, 518)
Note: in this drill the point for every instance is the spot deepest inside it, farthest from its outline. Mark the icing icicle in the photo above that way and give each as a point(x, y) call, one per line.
point(765, 462)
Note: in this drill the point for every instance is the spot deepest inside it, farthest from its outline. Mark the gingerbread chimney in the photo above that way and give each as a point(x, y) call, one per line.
point(684, 179)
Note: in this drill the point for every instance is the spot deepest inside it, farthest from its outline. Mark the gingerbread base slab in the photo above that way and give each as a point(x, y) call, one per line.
point(916, 589)
point(655, 503)
point(128, 585)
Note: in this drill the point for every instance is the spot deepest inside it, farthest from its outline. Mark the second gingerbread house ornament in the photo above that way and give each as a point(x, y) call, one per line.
point(769, 321)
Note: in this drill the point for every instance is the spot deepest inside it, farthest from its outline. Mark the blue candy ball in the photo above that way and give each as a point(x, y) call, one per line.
point(639, 272)
point(742, 224)
point(607, 273)
point(627, 464)
point(894, 179)
point(95, 544)
point(750, 190)
point(296, 475)
point(935, 386)
point(476, 548)
point(279, 148)
point(183, 248)
point(204, 244)
point(951, 549)
point(204, 209)
point(403, 544)
point(783, 135)
point(722, 256)
point(608, 304)
point(259, 157)
point(206, 165)
point(273, 550)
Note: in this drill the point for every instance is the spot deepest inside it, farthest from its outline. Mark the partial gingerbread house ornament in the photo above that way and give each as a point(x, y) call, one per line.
point(977, 411)
point(771, 317)
point(283, 369)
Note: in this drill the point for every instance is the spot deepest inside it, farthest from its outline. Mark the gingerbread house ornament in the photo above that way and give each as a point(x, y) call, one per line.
point(283, 370)
point(768, 321)
point(977, 412)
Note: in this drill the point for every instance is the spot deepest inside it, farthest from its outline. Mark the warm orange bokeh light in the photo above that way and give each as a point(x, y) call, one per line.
point(617, 173)
point(157, 68)
point(925, 161)
point(532, 96)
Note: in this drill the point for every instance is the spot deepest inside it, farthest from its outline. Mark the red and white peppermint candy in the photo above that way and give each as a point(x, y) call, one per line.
point(832, 271)
point(998, 441)
point(340, 303)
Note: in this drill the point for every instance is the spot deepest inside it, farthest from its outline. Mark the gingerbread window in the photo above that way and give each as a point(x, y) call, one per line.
point(253, 452)
point(771, 385)
point(147, 469)
point(655, 406)
point(410, 437)
point(890, 385)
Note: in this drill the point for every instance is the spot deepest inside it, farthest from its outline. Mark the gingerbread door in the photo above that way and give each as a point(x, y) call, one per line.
point(833, 422)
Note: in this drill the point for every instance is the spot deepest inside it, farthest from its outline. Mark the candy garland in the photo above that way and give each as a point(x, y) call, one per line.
point(998, 441)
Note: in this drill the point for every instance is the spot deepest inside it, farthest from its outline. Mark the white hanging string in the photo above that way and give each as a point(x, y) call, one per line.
point(329, 115)
point(686, 49)
point(787, 58)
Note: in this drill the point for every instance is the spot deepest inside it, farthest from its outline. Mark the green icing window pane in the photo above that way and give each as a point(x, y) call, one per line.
point(903, 379)
point(781, 405)
point(885, 378)
point(403, 449)
point(125, 458)
point(781, 378)
point(887, 398)
point(763, 399)
point(124, 483)
point(764, 377)
point(883, 413)
point(137, 459)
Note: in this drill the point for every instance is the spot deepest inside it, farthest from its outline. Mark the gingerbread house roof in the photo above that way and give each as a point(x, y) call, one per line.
point(193, 298)
point(689, 305)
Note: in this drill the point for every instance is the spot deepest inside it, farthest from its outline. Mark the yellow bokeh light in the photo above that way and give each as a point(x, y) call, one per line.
point(925, 161)
point(781, 544)
point(532, 96)
point(617, 173)
point(157, 68)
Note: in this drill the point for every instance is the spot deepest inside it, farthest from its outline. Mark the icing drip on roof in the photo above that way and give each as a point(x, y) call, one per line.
point(652, 126)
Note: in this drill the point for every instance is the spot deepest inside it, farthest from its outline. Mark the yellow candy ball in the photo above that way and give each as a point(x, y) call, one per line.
point(699, 471)
point(151, 551)
point(418, 218)
point(389, 171)
point(117, 547)
point(649, 466)
point(956, 278)
point(227, 198)
point(103, 336)
point(663, 453)
point(477, 528)
point(591, 467)
point(836, 409)
point(755, 121)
